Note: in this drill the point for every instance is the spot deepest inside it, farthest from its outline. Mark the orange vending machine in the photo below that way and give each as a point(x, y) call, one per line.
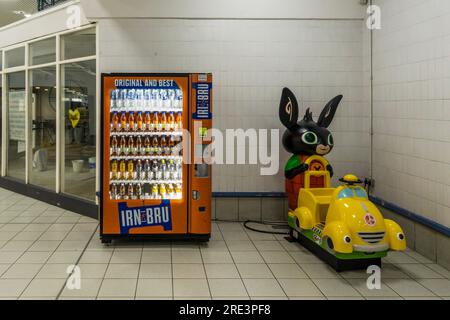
point(156, 180)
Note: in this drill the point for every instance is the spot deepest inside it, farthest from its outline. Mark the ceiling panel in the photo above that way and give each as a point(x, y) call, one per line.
point(7, 8)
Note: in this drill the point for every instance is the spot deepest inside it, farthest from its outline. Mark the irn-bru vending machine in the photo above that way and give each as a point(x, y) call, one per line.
point(156, 177)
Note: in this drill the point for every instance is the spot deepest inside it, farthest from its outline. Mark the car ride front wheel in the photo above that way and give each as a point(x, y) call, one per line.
point(328, 245)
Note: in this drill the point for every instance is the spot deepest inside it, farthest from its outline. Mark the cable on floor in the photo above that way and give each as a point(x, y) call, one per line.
point(273, 224)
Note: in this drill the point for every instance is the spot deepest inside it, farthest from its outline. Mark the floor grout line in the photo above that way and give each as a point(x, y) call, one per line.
point(76, 262)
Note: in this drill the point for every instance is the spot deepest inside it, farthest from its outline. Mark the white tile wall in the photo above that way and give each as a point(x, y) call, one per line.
point(251, 62)
point(412, 106)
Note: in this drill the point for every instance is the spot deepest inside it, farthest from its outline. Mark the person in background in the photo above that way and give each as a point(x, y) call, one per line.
point(74, 118)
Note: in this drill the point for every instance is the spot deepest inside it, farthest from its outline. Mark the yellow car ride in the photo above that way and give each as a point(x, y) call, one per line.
point(343, 221)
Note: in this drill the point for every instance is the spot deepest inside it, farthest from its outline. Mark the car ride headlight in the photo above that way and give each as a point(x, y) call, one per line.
point(400, 236)
point(347, 239)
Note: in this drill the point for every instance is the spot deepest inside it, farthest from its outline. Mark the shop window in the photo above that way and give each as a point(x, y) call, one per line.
point(43, 51)
point(15, 57)
point(78, 44)
point(78, 93)
point(16, 125)
point(43, 127)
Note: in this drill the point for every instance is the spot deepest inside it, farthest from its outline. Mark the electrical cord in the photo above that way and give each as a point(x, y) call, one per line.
point(266, 223)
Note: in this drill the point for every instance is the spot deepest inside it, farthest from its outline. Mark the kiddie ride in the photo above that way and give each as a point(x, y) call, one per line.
point(341, 225)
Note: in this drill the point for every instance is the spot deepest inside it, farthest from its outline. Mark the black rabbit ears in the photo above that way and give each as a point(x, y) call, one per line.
point(289, 110)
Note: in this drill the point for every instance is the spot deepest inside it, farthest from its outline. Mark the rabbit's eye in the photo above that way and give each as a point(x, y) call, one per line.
point(330, 140)
point(310, 138)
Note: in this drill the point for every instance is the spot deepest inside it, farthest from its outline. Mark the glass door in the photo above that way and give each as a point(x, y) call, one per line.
point(43, 134)
point(16, 125)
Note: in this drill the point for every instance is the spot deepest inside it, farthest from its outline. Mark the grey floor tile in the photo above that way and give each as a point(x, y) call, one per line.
point(92, 270)
point(155, 271)
point(216, 257)
point(96, 256)
point(188, 271)
point(44, 288)
point(300, 288)
point(336, 288)
point(440, 287)
point(276, 257)
point(361, 286)
point(22, 271)
point(117, 288)
point(247, 257)
point(227, 287)
point(263, 288)
point(319, 271)
point(54, 271)
point(184, 288)
point(287, 271)
point(408, 288)
point(122, 271)
point(221, 271)
point(126, 257)
point(186, 256)
point(154, 288)
point(89, 288)
point(268, 245)
point(35, 257)
point(419, 271)
point(156, 257)
point(254, 271)
point(13, 287)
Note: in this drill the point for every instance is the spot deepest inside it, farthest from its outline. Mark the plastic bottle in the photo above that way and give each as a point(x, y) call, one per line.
point(139, 170)
point(179, 121)
point(148, 121)
point(130, 191)
point(155, 191)
point(155, 146)
point(155, 122)
point(114, 170)
point(139, 149)
point(171, 122)
point(123, 146)
point(139, 191)
point(163, 121)
point(123, 121)
point(122, 169)
point(147, 145)
point(113, 192)
point(163, 145)
point(147, 174)
point(162, 191)
point(132, 148)
point(139, 122)
point(131, 122)
point(122, 191)
point(115, 122)
point(114, 146)
point(130, 172)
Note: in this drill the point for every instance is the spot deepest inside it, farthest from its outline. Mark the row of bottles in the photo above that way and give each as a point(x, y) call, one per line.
point(144, 99)
point(145, 146)
point(155, 170)
point(145, 191)
point(155, 121)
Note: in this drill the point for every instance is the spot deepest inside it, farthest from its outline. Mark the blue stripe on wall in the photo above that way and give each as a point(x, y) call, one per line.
point(385, 204)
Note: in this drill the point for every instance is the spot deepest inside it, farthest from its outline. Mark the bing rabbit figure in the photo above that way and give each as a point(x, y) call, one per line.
point(304, 139)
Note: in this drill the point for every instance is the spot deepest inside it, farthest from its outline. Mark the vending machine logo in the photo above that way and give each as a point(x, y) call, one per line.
point(203, 104)
point(146, 216)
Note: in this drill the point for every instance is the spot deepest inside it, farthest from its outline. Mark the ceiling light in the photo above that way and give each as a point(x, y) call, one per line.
point(22, 13)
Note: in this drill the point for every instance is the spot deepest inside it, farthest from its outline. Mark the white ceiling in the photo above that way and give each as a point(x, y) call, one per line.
point(7, 8)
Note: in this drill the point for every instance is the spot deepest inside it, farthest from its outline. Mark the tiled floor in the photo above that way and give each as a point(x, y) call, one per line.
point(38, 243)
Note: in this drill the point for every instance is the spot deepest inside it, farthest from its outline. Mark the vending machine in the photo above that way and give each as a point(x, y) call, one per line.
point(155, 165)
